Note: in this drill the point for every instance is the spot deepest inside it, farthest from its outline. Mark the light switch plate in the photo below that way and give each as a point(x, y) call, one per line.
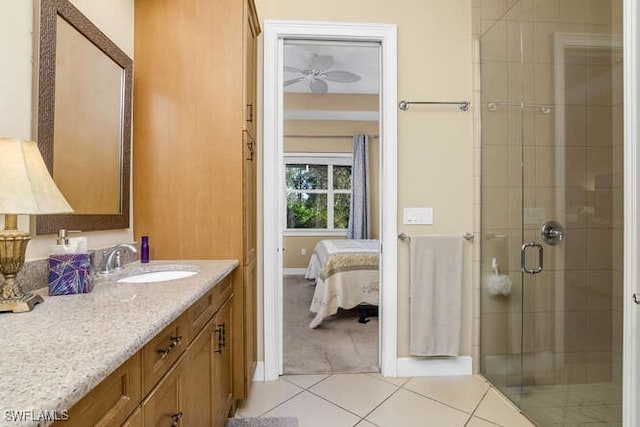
point(418, 216)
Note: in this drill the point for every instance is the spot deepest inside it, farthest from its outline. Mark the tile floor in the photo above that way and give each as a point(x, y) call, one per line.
point(370, 400)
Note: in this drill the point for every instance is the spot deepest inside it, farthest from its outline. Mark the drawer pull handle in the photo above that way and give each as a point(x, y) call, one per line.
point(222, 337)
point(176, 419)
point(250, 113)
point(175, 341)
point(251, 150)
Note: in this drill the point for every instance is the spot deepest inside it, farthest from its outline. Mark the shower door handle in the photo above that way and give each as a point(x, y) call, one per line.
point(523, 252)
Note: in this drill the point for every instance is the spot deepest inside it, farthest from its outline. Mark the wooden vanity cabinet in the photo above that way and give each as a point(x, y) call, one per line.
point(195, 139)
point(111, 402)
point(182, 376)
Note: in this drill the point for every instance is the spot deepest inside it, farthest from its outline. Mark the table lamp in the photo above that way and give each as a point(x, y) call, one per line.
point(26, 188)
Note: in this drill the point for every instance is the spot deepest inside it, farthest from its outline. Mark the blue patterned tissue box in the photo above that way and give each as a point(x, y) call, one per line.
point(70, 274)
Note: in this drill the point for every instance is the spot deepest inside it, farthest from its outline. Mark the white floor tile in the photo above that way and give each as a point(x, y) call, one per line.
point(461, 392)
point(408, 409)
point(358, 393)
point(479, 422)
point(396, 381)
point(304, 381)
point(497, 409)
point(365, 423)
point(313, 411)
point(265, 396)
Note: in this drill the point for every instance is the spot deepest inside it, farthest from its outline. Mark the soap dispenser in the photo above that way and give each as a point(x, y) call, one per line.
point(62, 242)
point(70, 265)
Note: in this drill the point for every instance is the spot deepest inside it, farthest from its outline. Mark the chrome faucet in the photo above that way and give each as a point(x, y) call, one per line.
point(111, 258)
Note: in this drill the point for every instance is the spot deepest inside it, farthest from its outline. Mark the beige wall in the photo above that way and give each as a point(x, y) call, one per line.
point(114, 18)
point(435, 145)
point(294, 246)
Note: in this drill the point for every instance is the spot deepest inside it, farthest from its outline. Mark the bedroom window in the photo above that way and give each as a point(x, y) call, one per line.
point(318, 191)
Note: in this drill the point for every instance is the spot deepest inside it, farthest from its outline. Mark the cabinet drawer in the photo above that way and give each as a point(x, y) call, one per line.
point(111, 402)
point(204, 309)
point(162, 351)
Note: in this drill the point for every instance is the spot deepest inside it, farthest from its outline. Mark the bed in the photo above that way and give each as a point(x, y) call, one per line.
point(345, 274)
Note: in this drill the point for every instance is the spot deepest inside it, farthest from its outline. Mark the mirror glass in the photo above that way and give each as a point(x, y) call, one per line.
point(84, 112)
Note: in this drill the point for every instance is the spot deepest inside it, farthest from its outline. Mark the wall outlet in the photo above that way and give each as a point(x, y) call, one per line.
point(303, 251)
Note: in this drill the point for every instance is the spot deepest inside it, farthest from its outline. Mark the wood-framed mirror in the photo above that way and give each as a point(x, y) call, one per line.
point(84, 119)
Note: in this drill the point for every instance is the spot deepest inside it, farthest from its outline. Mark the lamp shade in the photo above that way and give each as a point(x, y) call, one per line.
point(26, 187)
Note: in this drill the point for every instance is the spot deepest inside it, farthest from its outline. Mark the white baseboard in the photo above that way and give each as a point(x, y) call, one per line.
point(294, 271)
point(258, 374)
point(434, 366)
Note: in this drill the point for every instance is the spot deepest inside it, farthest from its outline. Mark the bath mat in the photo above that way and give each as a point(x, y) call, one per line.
point(263, 422)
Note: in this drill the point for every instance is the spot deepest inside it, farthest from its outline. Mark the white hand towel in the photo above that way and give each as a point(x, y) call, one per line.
point(436, 295)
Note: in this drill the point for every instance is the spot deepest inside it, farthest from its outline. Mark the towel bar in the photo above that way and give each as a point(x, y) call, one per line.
point(467, 236)
point(462, 105)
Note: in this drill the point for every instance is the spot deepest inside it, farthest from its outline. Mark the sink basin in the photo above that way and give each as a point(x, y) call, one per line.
point(157, 276)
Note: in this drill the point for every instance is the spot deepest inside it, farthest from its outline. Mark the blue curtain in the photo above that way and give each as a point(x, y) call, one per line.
point(359, 211)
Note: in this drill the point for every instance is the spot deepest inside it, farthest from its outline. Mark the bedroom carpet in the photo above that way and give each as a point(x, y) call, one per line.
point(339, 345)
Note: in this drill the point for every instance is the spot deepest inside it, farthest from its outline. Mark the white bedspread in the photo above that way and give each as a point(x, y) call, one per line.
point(346, 274)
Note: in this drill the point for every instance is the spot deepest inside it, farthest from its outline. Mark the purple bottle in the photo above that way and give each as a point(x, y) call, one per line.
point(144, 250)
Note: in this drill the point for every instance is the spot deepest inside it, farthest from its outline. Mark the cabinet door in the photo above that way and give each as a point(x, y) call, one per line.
point(199, 385)
point(249, 198)
point(222, 364)
point(208, 387)
point(165, 404)
point(251, 30)
point(135, 420)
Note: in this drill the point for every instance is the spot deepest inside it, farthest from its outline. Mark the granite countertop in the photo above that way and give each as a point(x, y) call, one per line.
point(54, 355)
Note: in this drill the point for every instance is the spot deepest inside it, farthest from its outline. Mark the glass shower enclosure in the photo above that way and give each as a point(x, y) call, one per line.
point(552, 209)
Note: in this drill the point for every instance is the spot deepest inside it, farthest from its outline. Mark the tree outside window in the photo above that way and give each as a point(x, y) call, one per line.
point(318, 192)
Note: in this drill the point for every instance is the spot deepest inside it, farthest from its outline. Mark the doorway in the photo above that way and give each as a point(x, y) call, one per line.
point(331, 249)
point(275, 35)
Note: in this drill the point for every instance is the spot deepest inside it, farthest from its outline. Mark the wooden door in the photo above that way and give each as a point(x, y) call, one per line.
point(199, 400)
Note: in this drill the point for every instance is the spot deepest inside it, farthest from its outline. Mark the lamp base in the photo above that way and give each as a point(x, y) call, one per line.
point(22, 304)
point(13, 245)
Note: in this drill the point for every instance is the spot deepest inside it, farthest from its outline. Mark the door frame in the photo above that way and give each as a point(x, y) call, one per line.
point(275, 32)
point(631, 311)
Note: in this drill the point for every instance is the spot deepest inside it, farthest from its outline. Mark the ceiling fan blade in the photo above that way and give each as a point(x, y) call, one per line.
point(321, 62)
point(318, 86)
point(341, 76)
point(292, 69)
point(292, 81)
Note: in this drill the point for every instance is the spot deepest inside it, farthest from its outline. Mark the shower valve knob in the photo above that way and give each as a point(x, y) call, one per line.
point(552, 232)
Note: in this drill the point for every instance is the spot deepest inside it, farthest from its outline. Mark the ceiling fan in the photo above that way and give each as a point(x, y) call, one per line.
point(317, 71)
